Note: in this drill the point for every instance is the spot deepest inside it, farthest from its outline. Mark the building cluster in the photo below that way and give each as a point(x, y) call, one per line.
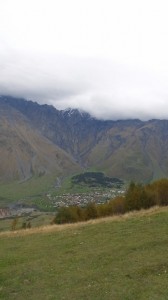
point(83, 199)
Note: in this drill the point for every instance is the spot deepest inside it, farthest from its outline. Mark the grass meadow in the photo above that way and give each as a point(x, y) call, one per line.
point(120, 258)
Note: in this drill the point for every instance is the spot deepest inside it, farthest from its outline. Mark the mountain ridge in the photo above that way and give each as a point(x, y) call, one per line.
point(25, 152)
point(127, 149)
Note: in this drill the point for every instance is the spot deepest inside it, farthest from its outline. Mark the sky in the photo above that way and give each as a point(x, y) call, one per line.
point(107, 57)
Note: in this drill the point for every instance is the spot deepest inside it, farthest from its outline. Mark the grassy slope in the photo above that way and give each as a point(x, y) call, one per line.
point(14, 191)
point(36, 219)
point(114, 258)
point(33, 191)
point(29, 192)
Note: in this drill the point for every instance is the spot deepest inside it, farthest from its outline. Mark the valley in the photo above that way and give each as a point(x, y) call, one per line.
point(68, 162)
point(83, 150)
point(52, 158)
point(61, 193)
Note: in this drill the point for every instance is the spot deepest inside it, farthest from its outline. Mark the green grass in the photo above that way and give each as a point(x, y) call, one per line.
point(35, 218)
point(68, 187)
point(31, 192)
point(118, 259)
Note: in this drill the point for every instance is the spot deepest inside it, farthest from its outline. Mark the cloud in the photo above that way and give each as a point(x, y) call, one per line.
point(106, 57)
point(105, 89)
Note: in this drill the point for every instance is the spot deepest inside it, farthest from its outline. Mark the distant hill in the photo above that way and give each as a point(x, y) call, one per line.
point(37, 139)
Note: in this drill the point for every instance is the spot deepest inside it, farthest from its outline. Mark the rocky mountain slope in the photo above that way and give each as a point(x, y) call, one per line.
point(128, 149)
point(25, 152)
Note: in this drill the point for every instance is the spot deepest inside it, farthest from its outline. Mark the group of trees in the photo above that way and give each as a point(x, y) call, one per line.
point(24, 225)
point(137, 197)
point(94, 179)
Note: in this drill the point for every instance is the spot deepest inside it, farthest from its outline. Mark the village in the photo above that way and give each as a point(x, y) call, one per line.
point(82, 199)
point(97, 196)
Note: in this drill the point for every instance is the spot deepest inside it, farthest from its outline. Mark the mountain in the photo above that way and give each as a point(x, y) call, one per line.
point(25, 152)
point(74, 131)
point(127, 149)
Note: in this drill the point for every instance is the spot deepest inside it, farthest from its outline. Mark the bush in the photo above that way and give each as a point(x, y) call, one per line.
point(91, 211)
point(159, 191)
point(26, 225)
point(117, 206)
point(138, 197)
point(14, 223)
point(69, 214)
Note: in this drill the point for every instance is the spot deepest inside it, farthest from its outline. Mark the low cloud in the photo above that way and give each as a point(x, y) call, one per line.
point(105, 89)
point(106, 57)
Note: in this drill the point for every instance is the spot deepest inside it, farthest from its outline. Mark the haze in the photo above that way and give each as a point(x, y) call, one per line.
point(106, 57)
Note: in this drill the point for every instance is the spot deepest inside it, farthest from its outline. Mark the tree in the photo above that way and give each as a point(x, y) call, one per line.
point(91, 211)
point(14, 223)
point(139, 196)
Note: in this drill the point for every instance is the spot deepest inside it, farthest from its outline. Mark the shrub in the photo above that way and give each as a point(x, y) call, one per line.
point(159, 191)
point(14, 223)
point(117, 206)
point(28, 225)
point(138, 197)
point(24, 225)
point(69, 214)
point(91, 211)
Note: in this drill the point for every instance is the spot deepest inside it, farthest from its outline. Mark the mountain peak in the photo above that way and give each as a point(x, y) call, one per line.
point(74, 112)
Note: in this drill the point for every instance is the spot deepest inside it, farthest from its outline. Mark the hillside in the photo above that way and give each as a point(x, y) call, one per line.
point(25, 152)
point(126, 149)
point(114, 258)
